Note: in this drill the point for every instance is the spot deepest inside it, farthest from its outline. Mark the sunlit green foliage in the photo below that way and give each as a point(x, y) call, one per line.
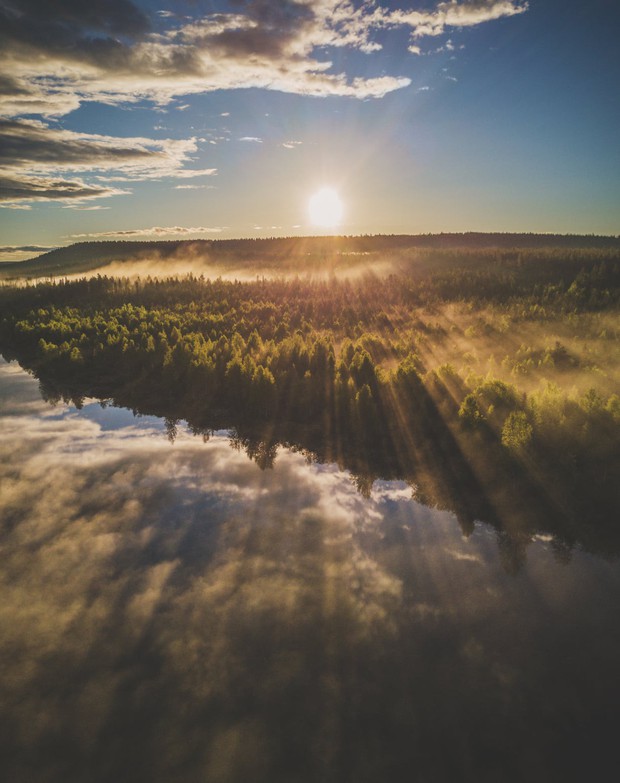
point(504, 358)
point(516, 431)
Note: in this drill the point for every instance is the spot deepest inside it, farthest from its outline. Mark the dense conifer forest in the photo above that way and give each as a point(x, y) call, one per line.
point(485, 377)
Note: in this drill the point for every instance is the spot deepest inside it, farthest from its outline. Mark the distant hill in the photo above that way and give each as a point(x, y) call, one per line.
point(274, 253)
point(83, 257)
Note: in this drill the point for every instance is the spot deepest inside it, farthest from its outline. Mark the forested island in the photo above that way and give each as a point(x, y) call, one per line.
point(486, 377)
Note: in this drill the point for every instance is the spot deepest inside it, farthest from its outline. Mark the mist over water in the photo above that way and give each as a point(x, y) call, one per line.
point(171, 612)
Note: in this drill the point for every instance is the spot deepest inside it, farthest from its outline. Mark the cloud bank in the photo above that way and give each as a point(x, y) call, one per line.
point(35, 158)
point(56, 56)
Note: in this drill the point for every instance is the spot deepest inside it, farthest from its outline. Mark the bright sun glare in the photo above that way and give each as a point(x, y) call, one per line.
point(325, 208)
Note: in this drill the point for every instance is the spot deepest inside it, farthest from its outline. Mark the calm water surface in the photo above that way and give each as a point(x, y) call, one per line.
point(171, 612)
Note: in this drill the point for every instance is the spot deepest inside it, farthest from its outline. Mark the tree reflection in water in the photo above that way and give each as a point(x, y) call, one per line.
point(464, 471)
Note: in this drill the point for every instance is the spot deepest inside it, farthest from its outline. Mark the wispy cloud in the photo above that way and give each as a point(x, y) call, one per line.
point(12, 205)
point(153, 231)
point(85, 207)
point(193, 187)
point(24, 249)
point(140, 175)
point(453, 14)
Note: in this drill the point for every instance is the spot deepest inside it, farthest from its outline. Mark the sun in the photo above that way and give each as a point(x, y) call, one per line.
point(325, 208)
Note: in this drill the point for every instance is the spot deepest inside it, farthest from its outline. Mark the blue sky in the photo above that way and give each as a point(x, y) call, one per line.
point(165, 120)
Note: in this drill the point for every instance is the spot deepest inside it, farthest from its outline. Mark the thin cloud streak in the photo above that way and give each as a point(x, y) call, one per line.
point(154, 231)
point(21, 252)
point(25, 248)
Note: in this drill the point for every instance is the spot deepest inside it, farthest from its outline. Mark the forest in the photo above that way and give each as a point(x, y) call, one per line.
point(487, 378)
point(289, 255)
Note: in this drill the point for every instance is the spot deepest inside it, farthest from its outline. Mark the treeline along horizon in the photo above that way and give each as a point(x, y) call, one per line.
point(289, 253)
